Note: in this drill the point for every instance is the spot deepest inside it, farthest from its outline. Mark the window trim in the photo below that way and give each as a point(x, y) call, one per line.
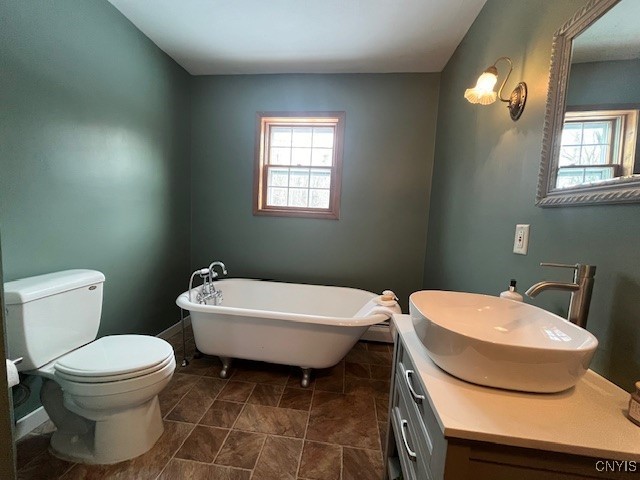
point(265, 119)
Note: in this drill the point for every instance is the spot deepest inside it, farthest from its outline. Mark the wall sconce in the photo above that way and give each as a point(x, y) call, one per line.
point(484, 94)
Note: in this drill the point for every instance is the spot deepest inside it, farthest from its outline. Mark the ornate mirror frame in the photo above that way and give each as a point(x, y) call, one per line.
point(625, 190)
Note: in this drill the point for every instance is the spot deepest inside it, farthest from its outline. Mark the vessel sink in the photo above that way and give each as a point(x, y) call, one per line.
point(501, 343)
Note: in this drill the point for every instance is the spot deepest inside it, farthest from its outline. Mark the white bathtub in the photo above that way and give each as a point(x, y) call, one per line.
point(309, 326)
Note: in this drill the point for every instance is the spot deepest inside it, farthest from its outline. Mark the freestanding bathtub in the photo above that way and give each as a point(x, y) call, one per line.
point(308, 326)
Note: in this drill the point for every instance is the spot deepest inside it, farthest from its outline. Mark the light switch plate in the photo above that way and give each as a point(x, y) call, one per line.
point(521, 241)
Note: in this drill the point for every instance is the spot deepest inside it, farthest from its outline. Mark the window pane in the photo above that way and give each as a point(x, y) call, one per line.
point(280, 156)
point(298, 197)
point(323, 137)
point(572, 134)
point(569, 156)
point(598, 174)
point(280, 136)
point(277, 197)
point(301, 137)
point(319, 199)
point(321, 179)
point(301, 156)
point(278, 177)
point(596, 133)
point(593, 155)
point(322, 157)
point(299, 177)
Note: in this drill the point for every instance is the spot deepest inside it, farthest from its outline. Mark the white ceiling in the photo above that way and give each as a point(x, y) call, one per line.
point(614, 36)
point(214, 37)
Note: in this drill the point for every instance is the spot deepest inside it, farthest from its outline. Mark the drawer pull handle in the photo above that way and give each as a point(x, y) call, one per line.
point(411, 453)
point(416, 397)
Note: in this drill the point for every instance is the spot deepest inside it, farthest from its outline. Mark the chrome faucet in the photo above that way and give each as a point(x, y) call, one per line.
point(580, 289)
point(214, 292)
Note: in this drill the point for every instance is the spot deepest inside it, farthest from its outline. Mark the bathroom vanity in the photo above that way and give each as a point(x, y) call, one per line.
point(441, 427)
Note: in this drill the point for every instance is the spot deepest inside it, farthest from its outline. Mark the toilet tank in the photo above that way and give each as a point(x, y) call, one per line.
point(53, 314)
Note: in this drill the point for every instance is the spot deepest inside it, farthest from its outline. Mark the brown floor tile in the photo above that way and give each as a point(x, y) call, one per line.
point(278, 460)
point(296, 398)
point(381, 372)
point(363, 386)
point(296, 377)
point(209, 366)
point(360, 370)
point(184, 469)
point(241, 449)
point(366, 356)
point(382, 429)
point(43, 467)
point(272, 420)
point(202, 444)
point(268, 395)
point(343, 419)
point(320, 461)
point(361, 345)
point(145, 467)
point(359, 464)
point(260, 372)
point(30, 446)
point(236, 391)
point(222, 414)
point(175, 390)
point(197, 401)
point(378, 347)
point(331, 379)
point(382, 408)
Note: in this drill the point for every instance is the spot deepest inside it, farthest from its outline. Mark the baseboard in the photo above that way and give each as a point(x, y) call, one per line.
point(378, 333)
point(174, 329)
point(30, 422)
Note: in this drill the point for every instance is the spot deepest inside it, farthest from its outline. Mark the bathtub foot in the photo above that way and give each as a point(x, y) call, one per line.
point(226, 365)
point(197, 353)
point(306, 378)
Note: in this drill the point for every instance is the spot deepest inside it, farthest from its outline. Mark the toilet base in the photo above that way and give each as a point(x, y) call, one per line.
point(118, 437)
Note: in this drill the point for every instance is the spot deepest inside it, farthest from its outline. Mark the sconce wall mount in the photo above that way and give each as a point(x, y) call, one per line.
point(484, 94)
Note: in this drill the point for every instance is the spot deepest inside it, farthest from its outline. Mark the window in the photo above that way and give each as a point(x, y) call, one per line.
point(298, 164)
point(596, 146)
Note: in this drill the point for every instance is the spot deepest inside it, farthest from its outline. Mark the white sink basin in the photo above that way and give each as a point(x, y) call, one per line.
point(501, 343)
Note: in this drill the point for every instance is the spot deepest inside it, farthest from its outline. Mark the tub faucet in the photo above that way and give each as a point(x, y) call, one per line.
point(580, 289)
point(214, 292)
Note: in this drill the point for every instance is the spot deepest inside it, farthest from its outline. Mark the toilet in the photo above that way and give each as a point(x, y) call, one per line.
point(102, 394)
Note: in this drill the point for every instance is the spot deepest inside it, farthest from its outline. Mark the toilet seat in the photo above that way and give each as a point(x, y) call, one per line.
point(114, 358)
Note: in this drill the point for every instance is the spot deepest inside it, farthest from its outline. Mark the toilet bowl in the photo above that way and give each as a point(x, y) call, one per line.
point(103, 399)
point(102, 395)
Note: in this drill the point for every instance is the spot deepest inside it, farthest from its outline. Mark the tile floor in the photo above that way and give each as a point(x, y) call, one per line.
point(257, 425)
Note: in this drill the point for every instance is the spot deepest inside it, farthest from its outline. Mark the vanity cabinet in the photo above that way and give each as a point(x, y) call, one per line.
point(417, 448)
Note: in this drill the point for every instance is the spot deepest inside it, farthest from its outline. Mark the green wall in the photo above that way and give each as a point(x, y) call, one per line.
point(378, 242)
point(94, 147)
point(485, 176)
point(614, 82)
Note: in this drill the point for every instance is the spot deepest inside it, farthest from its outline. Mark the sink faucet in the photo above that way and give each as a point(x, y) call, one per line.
point(580, 289)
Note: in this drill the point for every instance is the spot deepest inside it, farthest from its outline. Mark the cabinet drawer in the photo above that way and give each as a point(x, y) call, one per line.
point(408, 442)
point(420, 414)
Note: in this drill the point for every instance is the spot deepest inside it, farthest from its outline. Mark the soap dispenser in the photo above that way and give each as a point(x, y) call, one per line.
point(512, 293)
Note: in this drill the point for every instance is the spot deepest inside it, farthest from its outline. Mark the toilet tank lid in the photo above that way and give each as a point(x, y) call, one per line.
point(33, 288)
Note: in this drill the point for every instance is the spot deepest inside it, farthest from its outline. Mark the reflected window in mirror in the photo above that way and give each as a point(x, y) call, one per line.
point(596, 146)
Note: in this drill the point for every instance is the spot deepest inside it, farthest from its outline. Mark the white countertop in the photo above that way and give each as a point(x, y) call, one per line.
point(589, 419)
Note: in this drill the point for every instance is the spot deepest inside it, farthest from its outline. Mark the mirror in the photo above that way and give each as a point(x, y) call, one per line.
point(591, 145)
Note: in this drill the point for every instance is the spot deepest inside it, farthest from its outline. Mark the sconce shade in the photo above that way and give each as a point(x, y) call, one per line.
point(483, 92)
